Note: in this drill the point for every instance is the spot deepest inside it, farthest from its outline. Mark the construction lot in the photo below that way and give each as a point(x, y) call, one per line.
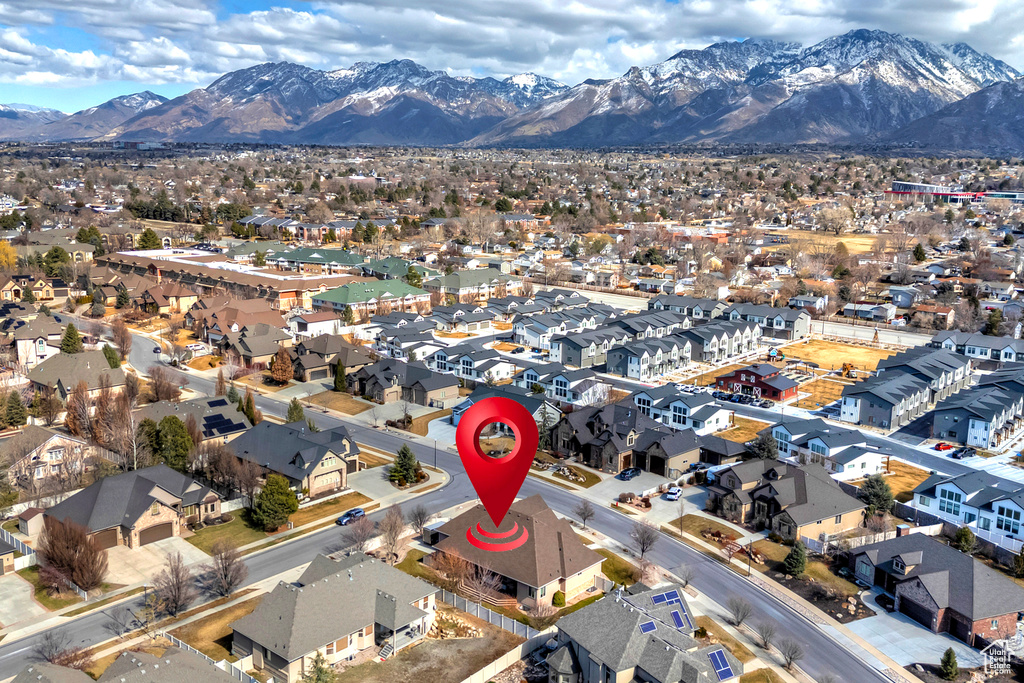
point(830, 355)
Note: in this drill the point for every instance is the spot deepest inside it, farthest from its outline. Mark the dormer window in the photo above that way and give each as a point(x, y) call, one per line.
point(897, 565)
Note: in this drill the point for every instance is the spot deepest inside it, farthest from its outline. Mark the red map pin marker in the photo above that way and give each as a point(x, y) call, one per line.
point(497, 480)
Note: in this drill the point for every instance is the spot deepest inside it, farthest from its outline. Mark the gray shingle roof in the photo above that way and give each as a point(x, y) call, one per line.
point(291, 449)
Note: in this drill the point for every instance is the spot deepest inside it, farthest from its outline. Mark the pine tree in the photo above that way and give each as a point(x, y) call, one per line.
point(876, 492)
point(123, 299)
point(233, 394)
point(72, 342)
point(319, 671)
point(413, 277)
point(16, 412)
point(339, 378)
point(113, 360)
point(796, 561)
point(175, 443)
point(348, 316)
point(274, 503)
point(295, 411)
point(148, 240)
point(405, 466)
point(919, 253)
point(948, 669)
point(27, 296)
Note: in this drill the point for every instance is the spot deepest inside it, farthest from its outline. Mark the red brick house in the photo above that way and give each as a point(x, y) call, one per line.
point(762, 380)
point(942, 589)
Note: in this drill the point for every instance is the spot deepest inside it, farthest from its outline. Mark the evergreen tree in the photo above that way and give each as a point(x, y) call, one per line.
point(295, 411)
point(72, 342)
point(148, 240)
point(319, 671)
point(965, 541)
point(339, 378)
point(98, 308)
point(995, 319)
point(1018, 564)
point(113, 360)
point(919, 254)
point(1008, 240)
point(413, 277)
point(348, 316)
point(281, 367)
point(405, 466)
point(27, 296)
point(16, 414)
point(274, 503)
point(796, 561)
point(233, 394)
point(948, 669)
point(175, 443)
point(876, 492)
point(764, 447)
point(149, 436)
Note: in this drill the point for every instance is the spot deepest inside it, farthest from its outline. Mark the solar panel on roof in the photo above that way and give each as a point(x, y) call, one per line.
point(722, 667)
point(672, 596)
point(658, 599)
point(648, 627)
point(677, 618)
point(217, 403)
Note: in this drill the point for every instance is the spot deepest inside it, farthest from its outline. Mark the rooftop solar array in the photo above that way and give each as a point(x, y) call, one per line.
point(678, 616)
point(722, 668)
point(648, 627)
point(669, 598)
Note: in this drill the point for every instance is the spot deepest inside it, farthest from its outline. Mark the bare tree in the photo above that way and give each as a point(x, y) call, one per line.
point(226, 571)
point(391, 529)
point(122, 337)
point(78, 418)
point(247, 479)
point(644, 536)
point(71, 550)
point(483, 581)
point(585, 511)
point(49, 406)
point(359, 533)
point(685, 573)
point(766, 630)
point(162, 385)
point(791, 652)
point(56, 648)
point(419, 517)
point(452, 566)
point(175, 585)
point(740, 610)
point(123, 437)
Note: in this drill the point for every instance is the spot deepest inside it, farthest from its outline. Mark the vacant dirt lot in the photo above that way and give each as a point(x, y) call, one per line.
point(822, 392)
point(831, 355)
point(437, 661)
point(744, 430)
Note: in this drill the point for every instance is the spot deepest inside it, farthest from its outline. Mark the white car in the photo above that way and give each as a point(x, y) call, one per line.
point(673, 493)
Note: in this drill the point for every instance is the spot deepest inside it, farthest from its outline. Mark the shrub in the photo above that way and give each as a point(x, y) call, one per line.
point(774, 537)
point(558, 599)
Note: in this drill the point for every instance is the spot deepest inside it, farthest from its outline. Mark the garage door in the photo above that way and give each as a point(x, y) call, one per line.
point(106, 538)
point(322, 373)
point(155, 533)
point(916, 612)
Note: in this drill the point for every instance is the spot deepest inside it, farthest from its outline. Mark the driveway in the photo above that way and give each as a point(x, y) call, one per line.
point(611, 487)
point(906, 641)
point(372, 483)
point(17, 603)
point(140, 565)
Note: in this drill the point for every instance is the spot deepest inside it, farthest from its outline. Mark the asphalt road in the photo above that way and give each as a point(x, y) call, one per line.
point(823, 656)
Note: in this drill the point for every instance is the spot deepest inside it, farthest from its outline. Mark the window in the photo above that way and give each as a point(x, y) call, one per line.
point(995, 624)
point(1008, 520)
point(924, 501)
point(155, 509)
point(985, 523)
point(949, 502)
point(330, 648)
point(838, 519)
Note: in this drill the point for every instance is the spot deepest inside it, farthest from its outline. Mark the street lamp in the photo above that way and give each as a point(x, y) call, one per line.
point(435, 454)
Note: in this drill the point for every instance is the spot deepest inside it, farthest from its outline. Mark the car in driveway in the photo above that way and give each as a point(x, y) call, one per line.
point(673, 493)
point(350, 516)
point(943, 446)
point(629, 473)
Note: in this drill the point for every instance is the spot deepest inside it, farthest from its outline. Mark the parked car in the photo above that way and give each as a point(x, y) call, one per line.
point(518, 349)
point(350, 516)
point(765, 403)
point(943, 446)
point(673, 493)
point(629, 473)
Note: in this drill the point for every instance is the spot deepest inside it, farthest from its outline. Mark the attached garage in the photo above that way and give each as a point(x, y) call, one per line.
point(106, 538)
point(156, 533)
point(917, 612)
point(319, 373)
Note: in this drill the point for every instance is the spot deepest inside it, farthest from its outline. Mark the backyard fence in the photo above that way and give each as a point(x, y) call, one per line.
point(816, 545)
point(480, 612)
point(520, 651)
point(28, 555)
point(224, 664)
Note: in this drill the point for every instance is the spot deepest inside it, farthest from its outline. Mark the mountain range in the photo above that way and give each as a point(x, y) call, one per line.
point(861, 87)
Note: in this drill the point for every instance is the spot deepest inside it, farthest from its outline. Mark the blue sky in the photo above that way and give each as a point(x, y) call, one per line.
point(72, 55)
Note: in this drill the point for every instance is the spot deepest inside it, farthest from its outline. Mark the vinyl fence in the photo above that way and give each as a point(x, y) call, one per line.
point(225, 665)
point(477, 610)
point(511, 657)
point(28, 555)
point(816, 545)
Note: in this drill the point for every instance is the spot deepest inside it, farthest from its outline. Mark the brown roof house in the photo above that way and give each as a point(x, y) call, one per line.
point(314, 462)
point(138, 507)
point(254, 345)
point(551, 560)
point(941, 588)
point(792, 501)
point(605, 437)
point(338, 609)
point(64, 371)
point(318, 358)
point(168, 298)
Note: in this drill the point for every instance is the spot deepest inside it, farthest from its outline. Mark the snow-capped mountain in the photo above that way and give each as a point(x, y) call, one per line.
point(398, 101)
point(848, 87)
point(96, 121)
point(988, 121)
point(17, 119)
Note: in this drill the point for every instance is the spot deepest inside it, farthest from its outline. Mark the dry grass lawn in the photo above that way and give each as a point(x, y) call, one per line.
point(372, 459)
point(904, 478)
point(505, 346)
point(695, 524)
point(761, 676)
point(744, 429)
point(419, 424)
point(818, 571)
point(714, 629)
point(822, 392)
point(328, 508)
point(340, 401)
point(204, 362)
point(453, 335)
point(831, 355)
point(211, 635)
point(260, 381)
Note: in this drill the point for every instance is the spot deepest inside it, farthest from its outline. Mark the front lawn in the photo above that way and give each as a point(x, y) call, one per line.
point(589, 478)
point(332, 507)
point(239, 531)
point(743, 430)
point(42, 594)
point(412, 566)
point(903, 479)
point(695, 524)
point(211, 635)
point(618, 569)
point(761, 676)
point(340, 401)
point(714, 629)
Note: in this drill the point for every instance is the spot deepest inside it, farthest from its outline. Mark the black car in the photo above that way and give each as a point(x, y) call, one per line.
point(629, 473)
point(350, 516)
point(518, 349)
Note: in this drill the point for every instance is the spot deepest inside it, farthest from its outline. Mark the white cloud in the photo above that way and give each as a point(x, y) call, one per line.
point(184, 41)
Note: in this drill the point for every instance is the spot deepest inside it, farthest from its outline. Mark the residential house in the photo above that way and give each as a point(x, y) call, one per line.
point(882, 313)
point(888, 400)
point(984, 416)
point(942, 589)
point(780, 323)
point(551, 559)
point(471, 363)
point(640, 634)
point(844, 453)
point(793, 501)
point(367, 299)
point(905, 297)
point(319, 357)
point(254, 346)
point(723, 339)
point(391, 380)
point(138, 507)
point(384, 608)
point(981, 347)
point(602, 437)
point(648, 360)
point(309, 325)
point(677, 409)
point(213, 318)
point(544, 411)
point(168, 298)
point(463, 319)
point(761, 380)
point(173, 665)
point(579, 387)
point(933, 316)
point(40, 459)
point(65, 371)
point(945, 372)
point(477, 285)
point(588, 348)
point(35, 340)
point(217, 419)
point(715, 451)
point(991, 507)
point(811, 303)
point(691, 307)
